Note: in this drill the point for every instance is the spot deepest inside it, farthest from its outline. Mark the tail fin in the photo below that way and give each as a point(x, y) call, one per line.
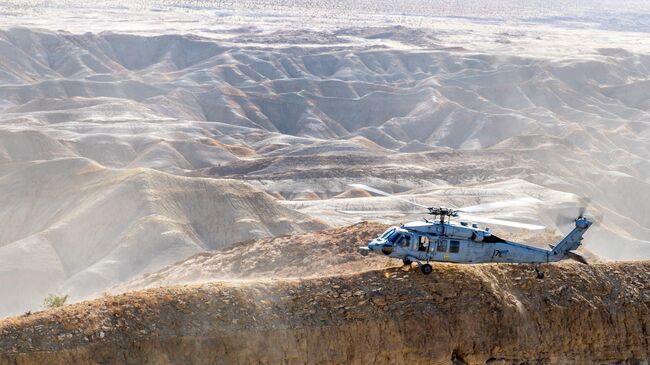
point(573, 240)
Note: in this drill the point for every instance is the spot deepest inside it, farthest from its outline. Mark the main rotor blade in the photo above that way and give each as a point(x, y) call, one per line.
point(403, 212)
point(500, 204)
point(380, 192)
point(501, 222)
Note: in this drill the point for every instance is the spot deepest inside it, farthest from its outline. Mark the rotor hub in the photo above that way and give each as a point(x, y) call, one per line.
point(443, 213)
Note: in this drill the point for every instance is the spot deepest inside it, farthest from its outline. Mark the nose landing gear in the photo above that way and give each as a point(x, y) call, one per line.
point(540, 274)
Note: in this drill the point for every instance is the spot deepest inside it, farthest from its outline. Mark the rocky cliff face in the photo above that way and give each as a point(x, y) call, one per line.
point(484, 314)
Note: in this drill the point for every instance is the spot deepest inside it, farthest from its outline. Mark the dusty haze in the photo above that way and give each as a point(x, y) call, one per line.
point(127, 146)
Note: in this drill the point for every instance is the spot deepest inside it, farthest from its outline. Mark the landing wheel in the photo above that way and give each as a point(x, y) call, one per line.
point(426, 269)
point(407, 262)
point(540, 275)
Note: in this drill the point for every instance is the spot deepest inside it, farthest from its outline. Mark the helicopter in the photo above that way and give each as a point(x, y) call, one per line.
point(444, 240)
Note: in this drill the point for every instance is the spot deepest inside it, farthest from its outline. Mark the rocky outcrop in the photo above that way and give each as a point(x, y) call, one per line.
point(482, 314)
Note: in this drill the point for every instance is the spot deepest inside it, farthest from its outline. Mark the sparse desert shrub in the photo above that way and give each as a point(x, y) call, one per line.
point(54, 301)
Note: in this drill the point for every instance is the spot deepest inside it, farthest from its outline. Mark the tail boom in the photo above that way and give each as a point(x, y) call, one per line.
point(572, 241)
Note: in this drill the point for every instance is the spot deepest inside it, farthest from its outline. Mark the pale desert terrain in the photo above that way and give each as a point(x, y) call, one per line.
point(134, 136)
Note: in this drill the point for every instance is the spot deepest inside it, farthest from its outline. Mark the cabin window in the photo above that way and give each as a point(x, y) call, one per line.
point(442, 246)
point(454, 246)
point(423, 243)
point(404, 241)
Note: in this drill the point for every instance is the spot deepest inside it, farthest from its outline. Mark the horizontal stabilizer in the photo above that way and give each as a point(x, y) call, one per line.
point(574, 256)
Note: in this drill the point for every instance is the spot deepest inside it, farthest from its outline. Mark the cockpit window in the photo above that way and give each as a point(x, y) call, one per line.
point(393, 237)
point(388, 231)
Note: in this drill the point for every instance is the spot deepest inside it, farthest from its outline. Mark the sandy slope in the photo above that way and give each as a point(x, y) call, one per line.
point(74, 226)
point(316, 254)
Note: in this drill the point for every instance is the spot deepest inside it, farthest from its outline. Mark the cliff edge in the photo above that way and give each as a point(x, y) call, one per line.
point(481, 314)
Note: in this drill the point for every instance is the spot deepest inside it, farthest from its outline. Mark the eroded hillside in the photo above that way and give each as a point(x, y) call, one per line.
point(119, 151)
point(74, 226)
point(483, 314)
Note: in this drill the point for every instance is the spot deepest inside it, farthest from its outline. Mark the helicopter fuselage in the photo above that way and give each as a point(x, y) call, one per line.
point(461, 243)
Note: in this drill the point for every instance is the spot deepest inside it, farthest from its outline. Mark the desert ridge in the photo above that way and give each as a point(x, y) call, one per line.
point(467, 314)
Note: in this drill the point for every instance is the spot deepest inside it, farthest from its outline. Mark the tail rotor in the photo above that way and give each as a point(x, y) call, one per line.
point(566, 219)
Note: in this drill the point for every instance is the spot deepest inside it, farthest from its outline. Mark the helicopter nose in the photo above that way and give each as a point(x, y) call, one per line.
point(380, 247)
point(375, 246)
point(372, 246)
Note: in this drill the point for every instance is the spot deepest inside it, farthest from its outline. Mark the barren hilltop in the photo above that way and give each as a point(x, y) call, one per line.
point(461, 314)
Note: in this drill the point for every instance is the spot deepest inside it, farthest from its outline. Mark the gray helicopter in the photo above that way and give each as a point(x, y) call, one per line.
point(443, 240)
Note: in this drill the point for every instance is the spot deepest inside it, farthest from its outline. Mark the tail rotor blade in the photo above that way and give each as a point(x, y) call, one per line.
point(598, 218)
point(584, 204)
point(563, 220)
